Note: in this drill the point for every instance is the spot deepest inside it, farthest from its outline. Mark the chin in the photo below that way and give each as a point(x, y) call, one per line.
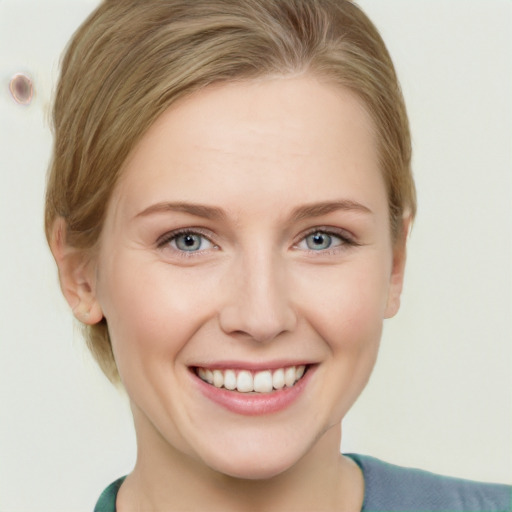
point(260, 458)
point(259, 470)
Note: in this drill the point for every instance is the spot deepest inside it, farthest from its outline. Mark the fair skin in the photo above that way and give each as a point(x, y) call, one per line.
point(249, 232)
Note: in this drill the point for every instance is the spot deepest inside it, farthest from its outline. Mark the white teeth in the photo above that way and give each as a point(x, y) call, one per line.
point(289, 376)
point(218, 378)
point(230, 379)
point(278, 379)
point(263, 382)
point(245, 381)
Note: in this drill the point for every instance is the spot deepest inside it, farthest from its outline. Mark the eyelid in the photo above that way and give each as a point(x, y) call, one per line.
point(345, 235)
point(164, 239)
point(347, 238)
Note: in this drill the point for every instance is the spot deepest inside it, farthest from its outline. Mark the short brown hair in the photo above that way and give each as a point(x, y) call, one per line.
point(131, 59)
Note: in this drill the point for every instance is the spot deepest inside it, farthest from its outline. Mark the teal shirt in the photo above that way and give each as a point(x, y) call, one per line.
point(390, 488)
point(107, 501)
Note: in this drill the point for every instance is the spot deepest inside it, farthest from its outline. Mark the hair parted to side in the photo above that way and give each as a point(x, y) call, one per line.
point(131, 59)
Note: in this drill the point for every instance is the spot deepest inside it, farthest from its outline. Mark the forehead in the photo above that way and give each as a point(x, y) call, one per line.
point(260, 137)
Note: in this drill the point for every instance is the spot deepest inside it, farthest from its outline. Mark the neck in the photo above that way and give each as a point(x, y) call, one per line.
point(167, 479)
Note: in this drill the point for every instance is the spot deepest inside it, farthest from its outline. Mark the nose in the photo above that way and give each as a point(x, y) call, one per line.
point(258, 303)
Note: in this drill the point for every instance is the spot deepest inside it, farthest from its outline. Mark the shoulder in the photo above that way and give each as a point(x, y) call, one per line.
point(107, 500)
point(393, 488)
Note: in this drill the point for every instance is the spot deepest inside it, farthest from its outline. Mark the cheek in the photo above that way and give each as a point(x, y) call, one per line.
point(347, 310)
point(151, 312)
point(346, 305)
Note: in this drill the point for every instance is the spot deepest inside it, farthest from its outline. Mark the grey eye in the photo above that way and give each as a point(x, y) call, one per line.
point(318, 241)
point(188, 242)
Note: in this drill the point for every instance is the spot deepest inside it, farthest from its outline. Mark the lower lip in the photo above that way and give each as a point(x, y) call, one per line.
point(254, 404)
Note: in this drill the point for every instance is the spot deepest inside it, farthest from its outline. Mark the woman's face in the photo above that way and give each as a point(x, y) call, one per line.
point(248, 236)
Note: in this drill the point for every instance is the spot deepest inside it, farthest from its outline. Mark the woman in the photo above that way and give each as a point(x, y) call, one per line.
point(228, 206)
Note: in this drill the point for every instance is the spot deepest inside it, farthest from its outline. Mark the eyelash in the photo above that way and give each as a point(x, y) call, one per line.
point(346, 240)
point(342, 235)
point(166, 239)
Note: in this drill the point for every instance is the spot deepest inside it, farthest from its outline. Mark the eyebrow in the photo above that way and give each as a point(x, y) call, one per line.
point(198, 210)
point(214, 213)
point(326, 207)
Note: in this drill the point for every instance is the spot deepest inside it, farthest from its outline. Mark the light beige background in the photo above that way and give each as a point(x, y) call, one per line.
point(441, 395)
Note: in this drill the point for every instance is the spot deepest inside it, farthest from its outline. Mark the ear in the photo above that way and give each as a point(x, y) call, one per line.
point(76, 275)
point(397, 271)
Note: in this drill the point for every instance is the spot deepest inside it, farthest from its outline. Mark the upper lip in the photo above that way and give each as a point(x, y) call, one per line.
point(252, 365)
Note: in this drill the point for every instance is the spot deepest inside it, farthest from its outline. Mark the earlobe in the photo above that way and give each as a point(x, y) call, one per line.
point(397, 271)
point(76, 275)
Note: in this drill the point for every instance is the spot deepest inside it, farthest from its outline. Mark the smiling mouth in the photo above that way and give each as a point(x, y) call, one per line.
point(245, 381)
